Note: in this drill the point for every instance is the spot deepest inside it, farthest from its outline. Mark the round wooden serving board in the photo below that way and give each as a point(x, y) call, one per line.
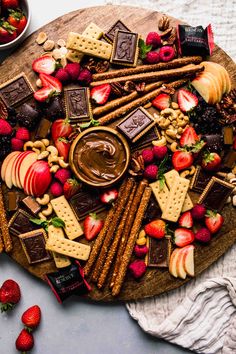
point(142, 21)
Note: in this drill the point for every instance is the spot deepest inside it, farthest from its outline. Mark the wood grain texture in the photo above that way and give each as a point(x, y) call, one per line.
point(155, 281)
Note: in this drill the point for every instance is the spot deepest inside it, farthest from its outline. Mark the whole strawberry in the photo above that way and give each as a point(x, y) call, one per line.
point(211, 161)
point(71, 187)
point(5, 127)
point(9, 4)
point(63, 147)
point(9, 295)
point(31, 317)
point(156, 228)
point(25, 341)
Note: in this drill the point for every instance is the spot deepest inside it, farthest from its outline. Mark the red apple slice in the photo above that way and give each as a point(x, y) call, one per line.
point(8, 173)
point(6, 161)
point(173, 260)
point(188, 260)
point(25, 164)
point(17, 167)
point(180, 264)
point(42, 179)
point(215, 82)
point(205, 88)
point(27, 179)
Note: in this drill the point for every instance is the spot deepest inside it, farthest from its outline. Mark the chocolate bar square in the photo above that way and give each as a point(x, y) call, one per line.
point(43, 129)
point(215, 194)
point(125, 48)
point(200, 180)
point(16, 90)
point(159, 251)
point(77, 104)
point(20, 223)
point(110, 34)
point(86, 202)
point(31, 204)
point(136, 124)
point(146, 139)
point(33, 244)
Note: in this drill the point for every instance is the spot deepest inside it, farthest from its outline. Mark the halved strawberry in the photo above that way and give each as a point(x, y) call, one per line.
point(100, 94)
point(108, 197)
point(213, 221)
point(162, 101)
point(50, 81)
point(45, 64)
point(63, 147)
point(182, 160)
point(44, 94)
point(186, 220)
point(92, 226)
point(183, 237)
point(186, 100)
point(189, 137)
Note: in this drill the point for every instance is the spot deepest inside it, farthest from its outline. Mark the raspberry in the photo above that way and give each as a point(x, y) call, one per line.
point(150, 172)
point(23, 134)
point(152, 58)
point(166, 53)
point(56, 189)
point(148, 156)
point(85, 77)
point(62, 75)
point(153, 39)
point(62, 175)
point(17, 144)
point(198, 212)
point(140, 251)
point(203, 235)
point(137, 268)
point(73, 69)
point(159, 152)
point(5, 127)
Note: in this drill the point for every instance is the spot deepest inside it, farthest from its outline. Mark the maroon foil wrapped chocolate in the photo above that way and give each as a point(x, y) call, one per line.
point(68, 281)
point(195, 40)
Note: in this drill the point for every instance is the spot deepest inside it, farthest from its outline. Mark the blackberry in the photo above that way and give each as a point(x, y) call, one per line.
point(28, 116)
point(5, 143)
point(12, 119)
point(205, 120)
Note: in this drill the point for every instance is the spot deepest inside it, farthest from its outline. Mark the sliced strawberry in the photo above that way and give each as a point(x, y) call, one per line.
point(45, 64)
point(213, 221)
point(50, 81)
point(211, 161)
point(186, 220)
point(44, 94)
point(61, 128)
point(92, 226)
point(186, 100)
point(183, 237)
point(189, 137)
point(100, 94)
point(182, 160)
point(162, 101)
point(63, 147)
point(109, 196)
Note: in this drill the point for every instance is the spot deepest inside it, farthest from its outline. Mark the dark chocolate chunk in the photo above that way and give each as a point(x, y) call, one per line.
point(229, 159)
point(214, 142)
point(146, 139)
point(110, 34)
point(125, 48)
point(158, 252)
point(153, 211)
point(33, 244)
point(215, 194)
point(136, 124)
point(20, 223)
point(53, 109)
point(86, 202)
point(43, 129)
point(77, 104)
point(3, 109)
point(28, 115)
point(16, 90)
point(200, 180)
point(13, 198)
point(31, 204)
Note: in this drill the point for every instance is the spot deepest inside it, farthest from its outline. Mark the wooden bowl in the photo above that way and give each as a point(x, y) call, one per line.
point(87, 154)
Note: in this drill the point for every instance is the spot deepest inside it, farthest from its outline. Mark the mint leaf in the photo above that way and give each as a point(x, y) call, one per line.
point(37, 221)
point(143, 49)
point(85, 125)
point(95, 122)
point(57, 222)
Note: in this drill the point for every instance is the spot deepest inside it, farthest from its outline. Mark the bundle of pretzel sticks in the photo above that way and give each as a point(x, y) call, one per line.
point(155, 75)
point(5, 238)
point(113, 248)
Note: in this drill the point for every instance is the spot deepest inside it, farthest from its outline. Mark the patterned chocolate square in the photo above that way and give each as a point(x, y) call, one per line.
point(125, 48)
point(86, 202)
point(20, 223)
point(200, 180)
point(110, 34)
point(136, 124)
point(16, 90)
point(159, 251)
point(77, 104)
point(33, 244)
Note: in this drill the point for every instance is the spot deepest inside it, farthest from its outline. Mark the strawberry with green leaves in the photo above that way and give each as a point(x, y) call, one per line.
point(71, 187)
point(213, 221)
point(25, 341)
point(17, 19)
point(211, 161)
point(7, 32)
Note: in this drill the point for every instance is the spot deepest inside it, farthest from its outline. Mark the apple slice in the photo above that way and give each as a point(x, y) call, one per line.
point(227, 80)
point(173, 260)
point(27, 179)
point(17, 167)
point(205, 88)
point(217, 71)
point(215, 82)
point(188, 260)
point(28, 160)
point(41, 179)
point(8, 173)
point(181, 273)
point(6, 161)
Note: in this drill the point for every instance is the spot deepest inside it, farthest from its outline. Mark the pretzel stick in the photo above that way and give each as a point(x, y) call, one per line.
point(110, 232)
point(119, 101)
point(138, 102)
point(101, 236)
point(1, 242)
point(175, 63)
point(131, 242)
point(115, 243)
point(5, 236)
point(129, 222)
point(154, 75)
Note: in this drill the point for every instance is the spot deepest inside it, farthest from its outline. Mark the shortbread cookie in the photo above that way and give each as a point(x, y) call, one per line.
point(161, 193)
point(60, 260)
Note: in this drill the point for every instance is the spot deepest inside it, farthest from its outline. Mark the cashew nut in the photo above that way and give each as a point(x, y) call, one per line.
point(41, 216)
point(171, 133)
point(184, 174)
point(36, 150)
point(141, 241)
point(54, 168)
point(164, 123)
point(142, 234)
point(174, 105)
point(186, 118)
point(45, 142)
point(44, 200)
point(192, 170)
point(173, 146)
point(48, 211)
point(52, 158)
point(39, 83)
point(40, 145)
point(169, 139)
point(180, 130)
point(62, 163)
point(28, 144)
point(160, 142)
point(43, 155)
point(181, 123)
point(53, 150)
point(171, 113)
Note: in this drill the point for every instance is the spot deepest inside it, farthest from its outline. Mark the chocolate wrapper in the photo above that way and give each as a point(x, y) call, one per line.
point(195, 40)
point(68, 281)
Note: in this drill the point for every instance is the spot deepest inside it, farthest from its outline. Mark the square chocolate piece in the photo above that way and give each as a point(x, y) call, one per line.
point(125, 48)
point(86, 202)
point(77, 104)
point(146, 139)
point(110, 34)
point(136, 124)
point(31, 204)
point(200, 180)
point(16, 90)
point(33, 244)
point(20, 223)
point(43, 129)
point(159, 252)
point(215, 194)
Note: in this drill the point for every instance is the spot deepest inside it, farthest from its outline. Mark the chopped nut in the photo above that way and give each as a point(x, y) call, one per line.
point(117, 89)
point(163, 23)
point(61, 43)
point(63, 51)
point(140, 87)
point(57, 54)
point(166, 33)
point(174, 105)
point(48, 45)
point(63, 61)
point(42, 37)
point(102, 66)
point(39, 83)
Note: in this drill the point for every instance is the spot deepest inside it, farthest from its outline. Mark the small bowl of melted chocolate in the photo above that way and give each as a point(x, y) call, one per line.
point(99, 156)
